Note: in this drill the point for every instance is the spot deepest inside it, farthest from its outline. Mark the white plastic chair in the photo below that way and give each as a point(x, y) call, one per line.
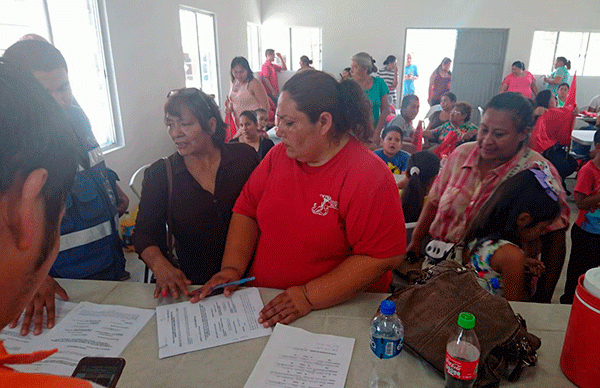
point(135, 183)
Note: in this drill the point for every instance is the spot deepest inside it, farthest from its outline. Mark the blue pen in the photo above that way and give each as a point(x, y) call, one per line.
point(238, 283)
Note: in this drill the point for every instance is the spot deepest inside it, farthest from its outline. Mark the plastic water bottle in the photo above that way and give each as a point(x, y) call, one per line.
point(387, 338)
point(462, 354)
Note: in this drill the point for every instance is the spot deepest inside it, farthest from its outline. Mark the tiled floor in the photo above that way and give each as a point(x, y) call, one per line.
point(136, 266)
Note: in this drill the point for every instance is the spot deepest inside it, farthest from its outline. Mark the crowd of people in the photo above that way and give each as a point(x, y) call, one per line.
point(318, 215)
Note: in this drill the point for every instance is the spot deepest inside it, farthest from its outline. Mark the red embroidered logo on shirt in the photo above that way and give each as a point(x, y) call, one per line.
point(323, 208)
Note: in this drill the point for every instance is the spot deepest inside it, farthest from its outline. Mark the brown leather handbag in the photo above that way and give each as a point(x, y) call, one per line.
point(429, 309)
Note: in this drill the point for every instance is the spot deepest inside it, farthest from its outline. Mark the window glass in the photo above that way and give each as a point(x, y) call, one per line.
point(572, 45)
point(84, 53)
point(542, 52)
point(20, 17)
point(592, 58)
point(306, 41)
point(254, 51)
point(198, 43)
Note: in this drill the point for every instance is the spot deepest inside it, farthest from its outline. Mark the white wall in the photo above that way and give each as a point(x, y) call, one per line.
point(379, 27)
point(146, 47)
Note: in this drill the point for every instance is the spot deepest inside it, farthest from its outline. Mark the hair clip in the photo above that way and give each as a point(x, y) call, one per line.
point(414, 170)
point(545, 181)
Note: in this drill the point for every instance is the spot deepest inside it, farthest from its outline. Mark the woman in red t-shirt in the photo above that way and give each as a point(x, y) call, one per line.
point(519, 80)
point(320, 217)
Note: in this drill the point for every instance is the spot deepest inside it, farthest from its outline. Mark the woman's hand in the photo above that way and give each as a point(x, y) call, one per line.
point(534, 266)
point(286, 307)
point(226, 275)
point(170, 280)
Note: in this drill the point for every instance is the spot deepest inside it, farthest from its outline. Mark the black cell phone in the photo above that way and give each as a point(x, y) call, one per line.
point(103, 371)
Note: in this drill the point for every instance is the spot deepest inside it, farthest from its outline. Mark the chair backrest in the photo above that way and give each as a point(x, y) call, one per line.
point(135, 183)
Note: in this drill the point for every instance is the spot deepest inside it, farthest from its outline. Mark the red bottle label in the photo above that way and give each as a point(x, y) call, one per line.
point(460, 369)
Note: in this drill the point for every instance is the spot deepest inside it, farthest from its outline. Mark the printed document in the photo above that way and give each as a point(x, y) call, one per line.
point(296, 358)
point(15, 343)
point(89, 330)
point(218, 320)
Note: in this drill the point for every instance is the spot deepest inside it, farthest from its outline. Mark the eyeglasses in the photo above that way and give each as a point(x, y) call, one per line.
point(545, 182)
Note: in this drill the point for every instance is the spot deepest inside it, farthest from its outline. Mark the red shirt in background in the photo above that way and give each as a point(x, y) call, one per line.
point(311, 219)
point(268, 74)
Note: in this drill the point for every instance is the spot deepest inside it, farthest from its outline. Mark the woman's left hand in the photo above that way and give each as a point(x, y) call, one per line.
point(286, 307)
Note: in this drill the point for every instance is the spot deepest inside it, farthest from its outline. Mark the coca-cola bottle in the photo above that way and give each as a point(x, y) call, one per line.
point(462, 354)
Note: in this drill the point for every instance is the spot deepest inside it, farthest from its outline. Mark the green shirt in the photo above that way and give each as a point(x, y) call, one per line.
point(560, 72)
point(377, 91)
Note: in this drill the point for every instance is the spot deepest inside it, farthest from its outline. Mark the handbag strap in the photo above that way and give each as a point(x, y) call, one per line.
point(170, 242)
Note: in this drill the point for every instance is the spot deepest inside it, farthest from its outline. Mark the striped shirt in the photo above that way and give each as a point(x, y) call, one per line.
point(459, 191)
point(388, 76)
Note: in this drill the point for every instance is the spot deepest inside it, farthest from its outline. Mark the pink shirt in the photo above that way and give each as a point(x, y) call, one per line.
point(268, 74)
point(311, 219)
point(588, 183)
point(459, 191)
point(520, 84)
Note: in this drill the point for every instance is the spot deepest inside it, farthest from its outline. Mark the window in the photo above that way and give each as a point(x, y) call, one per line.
point(292, 43)
point(581, 48)
point(199, 45)
point(306, 41)
point(254, 51)
point(90, 70)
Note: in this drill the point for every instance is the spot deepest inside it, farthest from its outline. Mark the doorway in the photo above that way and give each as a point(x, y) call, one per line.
point(477, 55)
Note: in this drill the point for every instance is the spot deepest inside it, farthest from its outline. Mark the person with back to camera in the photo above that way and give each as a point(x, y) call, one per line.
point(473, 172)
point(421, 170)
point(410, 76)
point(246, 92)
point(38, 155)
point(585, 232)
point(389, 74)
point(376, 90)
point(409, 109)
point(439, 82)
point(334, 201)
point(305, 64)
point(519, 80)
point(91, 247)
point(268, 73)
point(249, 134)
point(516, 214)
point(207, 177)
point(559, 76)
point(391, 152)
point(543, 101)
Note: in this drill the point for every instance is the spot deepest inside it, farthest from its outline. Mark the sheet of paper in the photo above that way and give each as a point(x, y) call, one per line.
point(218, 320)
point(296, 358)
point(89, 330)
point(15, 343)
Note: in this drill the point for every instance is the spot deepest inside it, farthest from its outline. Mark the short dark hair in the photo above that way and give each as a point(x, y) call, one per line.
point(202, 107)
point(518, 106)
point(250, 115)
point(269, 52)
point(407, 100)
point(315, 92)
point(450, 95)
point(392, 128)
point(597, 137)
point(260, 110)
point(563, 84)
point(389, 59)
point(35, 55)
point(519, 64)
point(243, 62)
point(35, 134)
point(543, 98)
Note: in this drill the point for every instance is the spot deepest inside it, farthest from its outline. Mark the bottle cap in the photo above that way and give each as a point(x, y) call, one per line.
point(387, 307)
point(466, 320)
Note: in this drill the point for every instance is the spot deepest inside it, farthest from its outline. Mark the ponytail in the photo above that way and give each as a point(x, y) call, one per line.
point(315, 92)
point(422, 167)
point(566, 62)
